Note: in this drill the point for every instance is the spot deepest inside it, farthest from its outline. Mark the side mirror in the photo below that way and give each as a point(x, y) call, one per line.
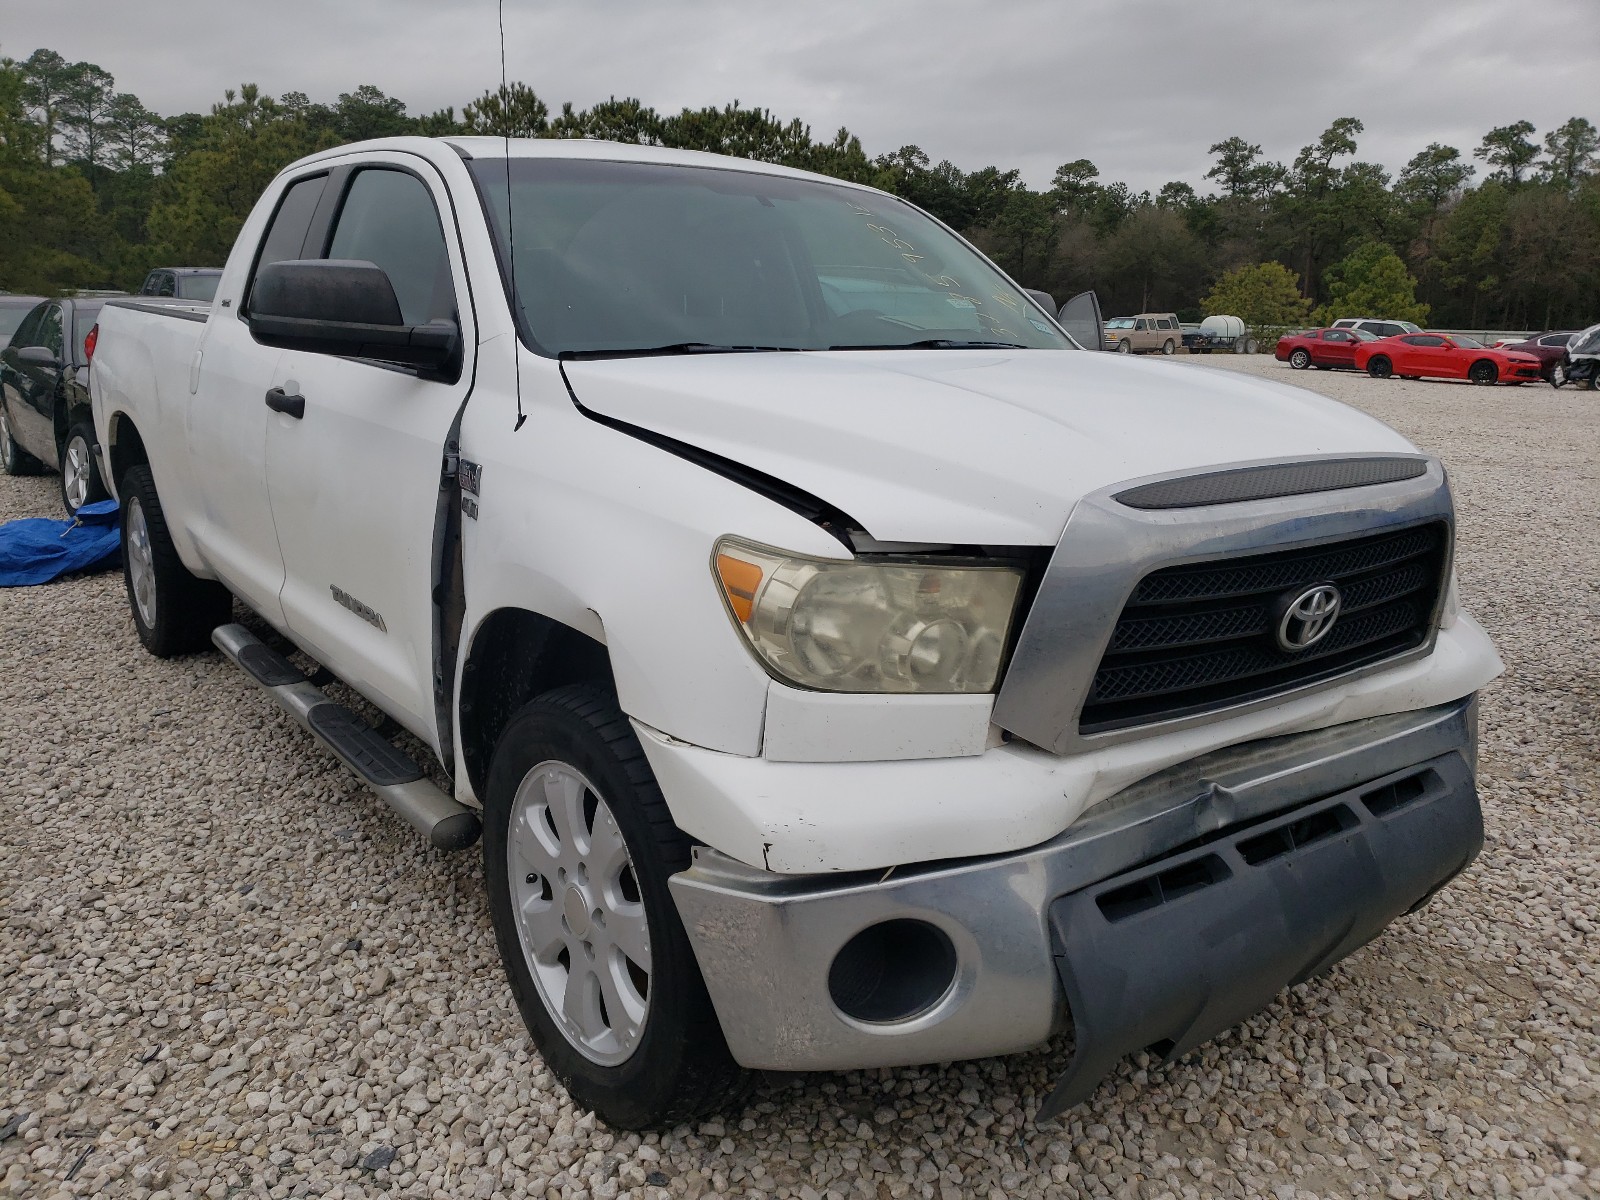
point(39, 356)
point(1045, 300)
point(344, 307)
point(1081, 317)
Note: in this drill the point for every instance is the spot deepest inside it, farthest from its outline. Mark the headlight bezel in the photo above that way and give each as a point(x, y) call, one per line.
point(991, 585)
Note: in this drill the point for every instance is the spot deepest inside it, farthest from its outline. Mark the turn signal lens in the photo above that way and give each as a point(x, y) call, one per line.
point(740, 580)
point(857, 625)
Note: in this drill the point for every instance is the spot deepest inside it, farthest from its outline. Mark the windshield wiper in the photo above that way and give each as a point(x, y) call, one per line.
point(937, 344)
point(673, 348)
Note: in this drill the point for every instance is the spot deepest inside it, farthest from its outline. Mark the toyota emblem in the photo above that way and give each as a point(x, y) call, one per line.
point(1309, 617)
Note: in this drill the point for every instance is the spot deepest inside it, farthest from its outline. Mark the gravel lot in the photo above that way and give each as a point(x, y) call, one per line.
point(226, 969)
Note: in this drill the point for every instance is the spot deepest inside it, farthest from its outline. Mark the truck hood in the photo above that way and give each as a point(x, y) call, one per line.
point(968, 446)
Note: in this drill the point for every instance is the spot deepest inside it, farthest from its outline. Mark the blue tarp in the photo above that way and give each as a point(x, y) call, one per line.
point(37, 549)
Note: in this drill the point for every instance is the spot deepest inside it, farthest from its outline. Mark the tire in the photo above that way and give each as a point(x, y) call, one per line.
point(1557, 376)
point(80, 474)
point(1483, 372)
point(1167, 347)
point(14, 460)
point(661, 1066)
point(1379, 366)
point(173, 610)
point(1124, 347)
point(1299, 360)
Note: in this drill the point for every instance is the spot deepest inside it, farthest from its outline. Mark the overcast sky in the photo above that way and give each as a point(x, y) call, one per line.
point(1140, 87)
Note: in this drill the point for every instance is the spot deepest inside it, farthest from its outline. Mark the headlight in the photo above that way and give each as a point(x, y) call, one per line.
point(864, 626)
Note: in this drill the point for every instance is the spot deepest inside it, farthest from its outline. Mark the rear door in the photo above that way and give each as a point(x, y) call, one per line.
point(355, 481)
point(228, 419)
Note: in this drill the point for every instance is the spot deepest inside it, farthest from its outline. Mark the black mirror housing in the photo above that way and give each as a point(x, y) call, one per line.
point(347, 308)
point(38, 356)
point(1081, 317)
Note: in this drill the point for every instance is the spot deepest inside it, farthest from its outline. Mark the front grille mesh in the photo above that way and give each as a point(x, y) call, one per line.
point(1203, 635)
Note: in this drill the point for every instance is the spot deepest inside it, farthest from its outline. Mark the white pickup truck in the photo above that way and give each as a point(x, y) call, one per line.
point(845, 668)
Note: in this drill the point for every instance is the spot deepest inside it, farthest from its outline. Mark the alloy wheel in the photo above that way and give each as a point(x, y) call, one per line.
point(141, 563)
point(578, 912)
point(76, 472)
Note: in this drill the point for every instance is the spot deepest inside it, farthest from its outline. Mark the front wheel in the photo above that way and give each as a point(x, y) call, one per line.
point(174, 611)
point(578, 846)
point(80, 474)
point(1380, 367)
point(1483, 372)
point(1167, 347)
point(1299, 360)
point(1124, 347)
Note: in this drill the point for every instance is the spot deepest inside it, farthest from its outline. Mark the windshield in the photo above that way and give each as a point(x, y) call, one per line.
point(1120, 323)
point(612, 257)
point(198, 287)
point(1362, 335)
point(1465, 342)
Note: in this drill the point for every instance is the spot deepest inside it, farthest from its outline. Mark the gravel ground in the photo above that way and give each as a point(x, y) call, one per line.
point(227, 970)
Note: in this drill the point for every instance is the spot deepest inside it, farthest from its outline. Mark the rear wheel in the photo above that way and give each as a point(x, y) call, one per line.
point(14, 460)
point(80, 474)
point(577, 849)
point(1483, 371)
point(1300, 360)
point(1379, 367)
point(174, 611)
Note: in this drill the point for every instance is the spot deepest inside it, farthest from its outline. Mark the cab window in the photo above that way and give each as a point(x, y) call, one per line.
point(389, 219)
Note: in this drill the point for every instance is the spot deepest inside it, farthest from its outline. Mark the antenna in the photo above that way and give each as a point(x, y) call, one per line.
point(511, 234)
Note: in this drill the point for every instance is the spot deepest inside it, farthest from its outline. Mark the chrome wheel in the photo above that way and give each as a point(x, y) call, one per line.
point(141, 563)
point(578, 912)
point(7, 446)
point(77, 469)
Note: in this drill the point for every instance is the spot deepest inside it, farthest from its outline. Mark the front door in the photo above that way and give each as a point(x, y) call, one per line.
point(1337, 348)
point(355, 481)
point(32, 408)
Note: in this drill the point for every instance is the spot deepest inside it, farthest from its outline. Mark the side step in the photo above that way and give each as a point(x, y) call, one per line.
point(386, 769)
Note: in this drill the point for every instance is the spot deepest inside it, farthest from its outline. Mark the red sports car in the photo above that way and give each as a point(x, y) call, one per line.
point(1444, 356)
point(1322, 348)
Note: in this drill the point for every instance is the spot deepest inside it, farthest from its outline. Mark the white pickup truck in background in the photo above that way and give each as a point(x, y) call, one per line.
point(846, 669)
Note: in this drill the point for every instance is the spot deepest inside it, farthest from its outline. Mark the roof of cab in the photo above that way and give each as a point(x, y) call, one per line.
point(568, 148)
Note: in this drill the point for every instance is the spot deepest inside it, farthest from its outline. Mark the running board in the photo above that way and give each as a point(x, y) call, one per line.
point(386, 769)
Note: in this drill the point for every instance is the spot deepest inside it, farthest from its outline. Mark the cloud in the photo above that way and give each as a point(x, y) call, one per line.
point(1142, 89)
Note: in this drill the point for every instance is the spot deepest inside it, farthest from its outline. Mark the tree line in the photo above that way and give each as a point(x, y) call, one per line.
point(95, 189)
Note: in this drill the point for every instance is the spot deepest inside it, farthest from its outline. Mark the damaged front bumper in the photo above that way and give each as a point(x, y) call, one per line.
point(1166, 914)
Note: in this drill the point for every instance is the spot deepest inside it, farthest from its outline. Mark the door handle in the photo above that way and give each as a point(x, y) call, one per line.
point(279, 400)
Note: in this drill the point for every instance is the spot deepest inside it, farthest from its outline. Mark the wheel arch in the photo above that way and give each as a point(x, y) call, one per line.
point(516, 654)
point(126, 448)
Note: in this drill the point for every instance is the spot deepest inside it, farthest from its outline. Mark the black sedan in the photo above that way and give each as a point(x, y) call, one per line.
point(45, 421)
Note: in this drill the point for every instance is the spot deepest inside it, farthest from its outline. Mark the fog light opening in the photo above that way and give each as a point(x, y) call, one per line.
point(892, 971)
